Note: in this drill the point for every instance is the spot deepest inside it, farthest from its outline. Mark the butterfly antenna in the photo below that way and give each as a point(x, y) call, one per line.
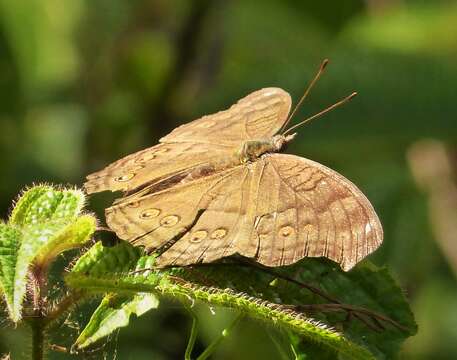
point(330, 108)
point(308, 89)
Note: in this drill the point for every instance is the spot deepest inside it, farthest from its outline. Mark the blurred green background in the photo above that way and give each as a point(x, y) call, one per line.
point(85, 82)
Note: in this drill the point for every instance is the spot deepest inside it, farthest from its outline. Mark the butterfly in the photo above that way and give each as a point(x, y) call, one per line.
point(218, 186)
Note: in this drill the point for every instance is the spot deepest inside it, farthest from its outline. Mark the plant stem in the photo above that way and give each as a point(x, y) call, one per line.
point(37, 320)
point(225, 333)
point(37, 326)
point(193, 334)
point(38, 276)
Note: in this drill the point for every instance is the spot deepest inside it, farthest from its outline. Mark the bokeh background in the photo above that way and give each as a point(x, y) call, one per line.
point(83, 83)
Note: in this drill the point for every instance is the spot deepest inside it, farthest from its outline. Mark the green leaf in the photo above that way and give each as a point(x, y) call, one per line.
point(114, 312)
point(371, 294)
point(43, 224)
point(94, 273)
point(73, 235)
point(43, 203)
point(105, 269)
point(369, 287)
point(366, 286)
point(304, 350)
point(9, 245)
point(101, 259)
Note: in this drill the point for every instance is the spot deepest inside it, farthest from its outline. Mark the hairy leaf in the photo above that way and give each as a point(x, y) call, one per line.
point(73, 235)
point(101, 259)
point(94, 273)
point(112, 269)
point(9, 245)
point(367, 291)
point(44, 203)
point(369, 287)
point(365, 305)
point(43, 223)
point(114, 312)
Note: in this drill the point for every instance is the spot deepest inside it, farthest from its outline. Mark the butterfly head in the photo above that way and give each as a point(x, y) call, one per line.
point(280, 140)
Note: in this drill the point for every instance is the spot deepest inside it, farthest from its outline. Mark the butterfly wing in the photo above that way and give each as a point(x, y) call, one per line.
point(157, 164)
point(277, 211)
point(319, 213)
point(259, 115)
point(209, 142)
point(153, 220)
point(220, 229)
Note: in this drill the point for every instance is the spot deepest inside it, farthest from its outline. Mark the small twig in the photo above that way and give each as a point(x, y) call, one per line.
point(58, 348)
point(225, 333)
point(193, 333)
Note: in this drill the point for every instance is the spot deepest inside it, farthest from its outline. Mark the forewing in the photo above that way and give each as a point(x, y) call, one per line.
point(211, 141)
point(156, 164)
point(305, 209)
point(258, 115)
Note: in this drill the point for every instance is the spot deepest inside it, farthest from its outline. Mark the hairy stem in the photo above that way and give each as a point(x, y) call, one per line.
point(42, 315)
point(37, 325)
point(37, 320)
point(38, 277)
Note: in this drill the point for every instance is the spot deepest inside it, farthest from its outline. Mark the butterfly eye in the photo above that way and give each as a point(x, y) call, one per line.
point(198, 236)
point(134, 204)
point(218, 233)
point(125, 177)
point(286, 231)
point(149, 213)
point(169, 220)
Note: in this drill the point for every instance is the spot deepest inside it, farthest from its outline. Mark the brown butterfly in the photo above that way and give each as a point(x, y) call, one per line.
point(217, 186)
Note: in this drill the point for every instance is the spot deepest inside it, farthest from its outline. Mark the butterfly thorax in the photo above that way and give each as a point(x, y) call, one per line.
point(251, 150)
